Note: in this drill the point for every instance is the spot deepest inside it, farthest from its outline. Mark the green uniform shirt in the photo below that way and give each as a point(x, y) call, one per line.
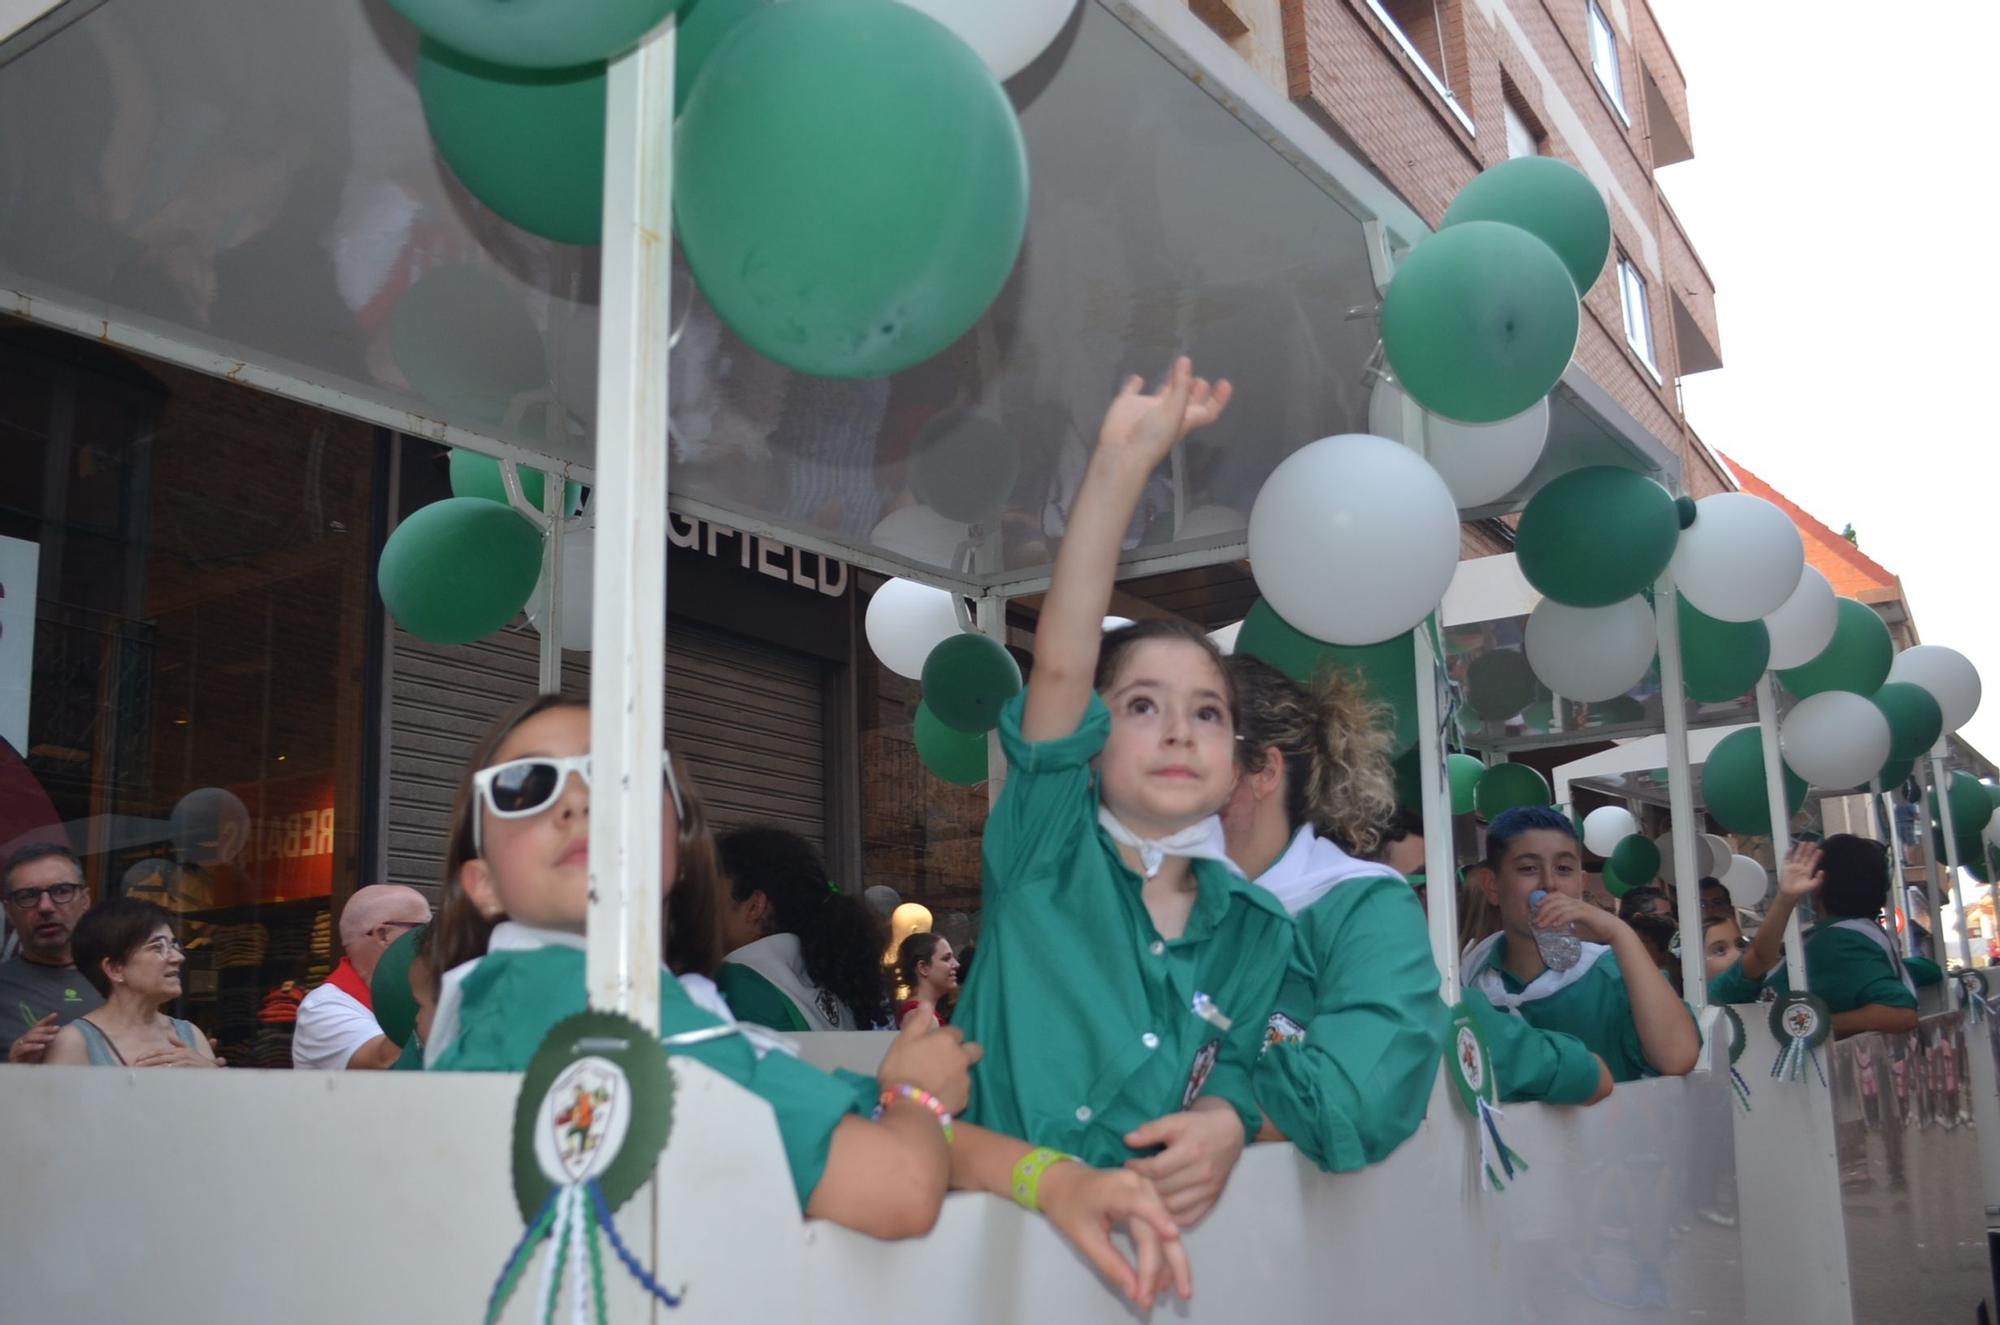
point(1357, 1038)
point(1596, 1008)
point(1530, 1063)
point(510, 1001)
point(1088, 1017)
point(1848, 969)
point(754, 999)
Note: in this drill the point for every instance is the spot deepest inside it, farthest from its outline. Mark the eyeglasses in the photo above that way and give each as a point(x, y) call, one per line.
point(27, 899)
point(161, 946)
point(523, 788)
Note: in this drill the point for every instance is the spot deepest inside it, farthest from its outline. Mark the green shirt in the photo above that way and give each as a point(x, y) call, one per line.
point(1087, 1015)
point(756, 1000)
point(1595, 1007)
point(1848, 969)
point(1358, 1034)
point(1530, 1063)
point(511, 999)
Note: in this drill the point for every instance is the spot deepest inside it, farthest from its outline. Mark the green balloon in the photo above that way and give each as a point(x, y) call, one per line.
point(537, 34)
point(963, 466)
point(967, 680)
point(1596, 536)
point(466, 344)
point(395, 1007)
point(1613, 884)
point(1970, 808)
point(476, 475)
point(702, 27)
point(1501, 683)
point(529, 143)
point(1895, 773)
point(1388, 670)
point(1479, 322)
point(1733, 786)
point(1636, 859)
point(1720, 660)
point(459, 569)
point(1464, 772)
point(1857, 658)
point(1506, 787)
point(852, 187)
point(1992, 793)
point(1551, 200)
point(957, 757)
point(1617, 711)
point(1915, 720)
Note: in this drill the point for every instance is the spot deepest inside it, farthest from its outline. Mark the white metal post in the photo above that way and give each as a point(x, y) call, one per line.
point(991, 620)
point(1680, 793)
point(549, 658)
point(1941, 789)
point(1933, 882)
point(1904, 925)
point(1440, 855)
point(628, 710)
point(1781, 822)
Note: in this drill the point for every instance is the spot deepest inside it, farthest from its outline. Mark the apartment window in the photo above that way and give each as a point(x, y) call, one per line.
point(1604, 55)
point(1419, 27)
point(1521, 138)
point(1638, 312)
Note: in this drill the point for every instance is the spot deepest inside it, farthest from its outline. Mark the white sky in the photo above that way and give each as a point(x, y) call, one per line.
point(1842, 196)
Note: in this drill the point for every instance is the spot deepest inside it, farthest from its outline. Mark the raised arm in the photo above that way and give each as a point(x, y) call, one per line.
point(1137, 433)
point(1800, 877)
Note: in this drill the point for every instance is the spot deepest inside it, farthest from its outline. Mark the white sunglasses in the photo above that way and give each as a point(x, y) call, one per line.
point(523, 788)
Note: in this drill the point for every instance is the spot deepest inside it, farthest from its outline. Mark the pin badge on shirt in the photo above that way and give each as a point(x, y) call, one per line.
point(1204, 1007)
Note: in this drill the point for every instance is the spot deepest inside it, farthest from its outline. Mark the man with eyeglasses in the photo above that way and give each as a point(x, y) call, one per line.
point(41, 991)
point(336, 1029)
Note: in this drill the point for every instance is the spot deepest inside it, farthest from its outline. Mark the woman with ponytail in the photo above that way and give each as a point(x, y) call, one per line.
point(1353, 1047)
point(802, 955)
point(928, 968)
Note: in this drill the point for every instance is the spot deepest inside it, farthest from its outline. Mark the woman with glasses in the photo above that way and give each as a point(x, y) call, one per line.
point(126, 949)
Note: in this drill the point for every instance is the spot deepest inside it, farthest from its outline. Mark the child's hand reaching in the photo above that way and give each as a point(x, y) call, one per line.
point(1199, 1149)
point(1085, 1204)
point(1592, 922)
point(934, 1059)
point(1801, 874)
point(1144, 428)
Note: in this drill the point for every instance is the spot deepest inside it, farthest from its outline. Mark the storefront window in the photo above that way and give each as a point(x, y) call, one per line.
point(192, 562)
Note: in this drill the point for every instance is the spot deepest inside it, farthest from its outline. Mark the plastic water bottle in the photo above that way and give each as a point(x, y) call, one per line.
point(1560, 947)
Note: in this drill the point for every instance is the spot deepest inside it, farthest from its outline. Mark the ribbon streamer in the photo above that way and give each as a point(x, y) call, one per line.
point(1495, 1155)
point(1741, 1088)
point(572, 1219)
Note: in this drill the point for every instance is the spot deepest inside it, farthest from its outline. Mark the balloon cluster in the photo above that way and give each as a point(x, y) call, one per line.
point(967, 679)
point(851, 183)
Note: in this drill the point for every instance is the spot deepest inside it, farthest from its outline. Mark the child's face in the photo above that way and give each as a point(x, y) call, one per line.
point(1541, 858)
point(537, 870)
point(1171, 759)
point(1721, 944)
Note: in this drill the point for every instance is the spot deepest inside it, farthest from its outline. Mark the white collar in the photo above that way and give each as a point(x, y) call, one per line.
point(1198, 841)
point(1311, 867)
point(780, 958)
point(1483, 972)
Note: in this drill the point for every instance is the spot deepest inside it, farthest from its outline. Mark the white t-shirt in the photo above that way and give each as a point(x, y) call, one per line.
point(332, 1025)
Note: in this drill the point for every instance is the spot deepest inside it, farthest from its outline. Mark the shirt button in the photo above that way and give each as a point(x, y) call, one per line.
point(1083, 1114)
point(1158, 947)
point(1150, 1040)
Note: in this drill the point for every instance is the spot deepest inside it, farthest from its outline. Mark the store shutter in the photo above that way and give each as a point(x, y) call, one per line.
point(748, 719)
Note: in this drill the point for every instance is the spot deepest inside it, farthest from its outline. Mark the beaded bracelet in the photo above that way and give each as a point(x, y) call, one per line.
point(1028, 1171)
point(919, 1096)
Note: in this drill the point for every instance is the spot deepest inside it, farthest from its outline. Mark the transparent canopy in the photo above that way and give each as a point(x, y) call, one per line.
point(249, 188)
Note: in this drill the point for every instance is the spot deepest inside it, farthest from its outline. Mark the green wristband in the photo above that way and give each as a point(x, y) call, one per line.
point(1028, 1171)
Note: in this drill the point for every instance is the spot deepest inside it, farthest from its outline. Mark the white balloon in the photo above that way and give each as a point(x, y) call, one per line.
point(1225, 636)
point(921, 534)
point(1948, 674)
point(1803, 626)
point(1747, 882)
point(1590, 653)
point(579, 585)
point(1479, 462)
point(1008, 34)
point(1835, 739)
point(1353, 539)
point(1669, 872)
point(1716, 854)
point(1992, 830)
point(1606, 826)
point(1741, 559)
point(905, 621)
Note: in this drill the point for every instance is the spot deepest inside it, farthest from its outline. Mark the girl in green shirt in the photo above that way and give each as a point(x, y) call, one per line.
point(1355, 1043)
point(510, 938)
point(1124, 980)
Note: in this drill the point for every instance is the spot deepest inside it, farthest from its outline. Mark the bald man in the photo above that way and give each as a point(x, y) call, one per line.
point(337, 1027)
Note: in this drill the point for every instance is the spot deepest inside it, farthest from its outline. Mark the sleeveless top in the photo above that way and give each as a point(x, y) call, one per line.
point(103, 1053)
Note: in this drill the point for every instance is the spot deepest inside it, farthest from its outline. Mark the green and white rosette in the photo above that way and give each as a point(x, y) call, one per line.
point(1737, 1039)
point(1801, 1023)
point(593, 1115)
point(1973, 993)
point(1472, 1073)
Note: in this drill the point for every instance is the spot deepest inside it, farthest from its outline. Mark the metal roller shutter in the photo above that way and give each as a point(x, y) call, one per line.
point(747, 718)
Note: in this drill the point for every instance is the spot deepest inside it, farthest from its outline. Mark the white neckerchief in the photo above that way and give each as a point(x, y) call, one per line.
point(1312, 867)
point(780, 959)
point(1875, 931)
point(512, 936)
point(1198, 841)
point(1484, 973)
